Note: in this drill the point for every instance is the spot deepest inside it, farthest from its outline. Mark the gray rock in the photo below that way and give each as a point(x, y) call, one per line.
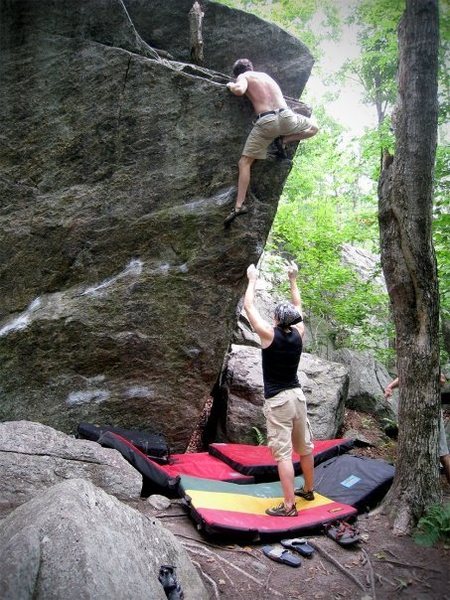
point(34, 457)
point(227, 35)
point(119, 284)
point(365, 263)
point(368, 380)
point(357, 435)
point(159, 502)
point(324, 384)
point(75, 541)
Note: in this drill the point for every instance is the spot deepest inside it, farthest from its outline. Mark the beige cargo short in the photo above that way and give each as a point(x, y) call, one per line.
point(287, 424)
point(269, 127)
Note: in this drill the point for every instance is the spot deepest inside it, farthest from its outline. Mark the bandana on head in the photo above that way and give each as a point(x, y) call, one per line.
point(286, 314)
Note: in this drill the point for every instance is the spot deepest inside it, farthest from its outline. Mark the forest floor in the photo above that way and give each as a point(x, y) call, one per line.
point(381, 566)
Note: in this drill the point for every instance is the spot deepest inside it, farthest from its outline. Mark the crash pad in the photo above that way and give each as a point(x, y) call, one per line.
point(258, 461)
point(356, 480)
point(163, 479)
point(151, 444)
point(238, 511)
point(203, 465)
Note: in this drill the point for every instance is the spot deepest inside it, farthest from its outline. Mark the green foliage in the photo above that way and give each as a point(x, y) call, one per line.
point(322, 208)
point(259, 437)
point(376, 66)
point(310, 233)
point(441, 226)
point(295, 16)
point(434, 526)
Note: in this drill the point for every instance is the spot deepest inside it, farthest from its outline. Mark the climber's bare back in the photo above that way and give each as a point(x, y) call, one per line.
point(264, 93)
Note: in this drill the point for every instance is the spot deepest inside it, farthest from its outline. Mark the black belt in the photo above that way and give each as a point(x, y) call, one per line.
point(269, 112)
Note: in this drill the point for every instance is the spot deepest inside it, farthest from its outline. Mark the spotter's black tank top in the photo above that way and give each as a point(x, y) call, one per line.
point(280, 362)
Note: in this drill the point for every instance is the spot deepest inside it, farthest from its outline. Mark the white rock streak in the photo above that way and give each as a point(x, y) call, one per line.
point(22, 321)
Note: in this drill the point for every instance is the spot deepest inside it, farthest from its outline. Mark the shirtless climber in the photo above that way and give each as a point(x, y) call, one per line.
point(273, 120)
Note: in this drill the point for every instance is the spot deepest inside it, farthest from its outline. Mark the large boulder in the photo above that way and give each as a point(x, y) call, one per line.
point(119, 284)
point(324, 384)
point(228, 34)
point(75, 541)
point(34, 457)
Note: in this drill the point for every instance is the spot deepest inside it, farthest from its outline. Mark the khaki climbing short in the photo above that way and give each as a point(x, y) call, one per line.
point(288, 425)
point(269, 127)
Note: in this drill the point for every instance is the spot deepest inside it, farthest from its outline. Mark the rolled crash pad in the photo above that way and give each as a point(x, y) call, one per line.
point(154, 479)
point(151, 444)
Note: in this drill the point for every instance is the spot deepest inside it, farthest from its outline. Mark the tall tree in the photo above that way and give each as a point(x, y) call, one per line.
point(409, 264)
point(376, 65)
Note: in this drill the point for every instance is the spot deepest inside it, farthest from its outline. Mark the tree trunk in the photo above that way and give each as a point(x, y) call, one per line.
point(409, 265)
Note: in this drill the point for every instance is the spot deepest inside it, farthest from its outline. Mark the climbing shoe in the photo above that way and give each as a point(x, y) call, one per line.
point(304, 494)
point(281, 511)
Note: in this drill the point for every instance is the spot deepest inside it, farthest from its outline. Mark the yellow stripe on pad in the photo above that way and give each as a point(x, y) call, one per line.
point(245, 503)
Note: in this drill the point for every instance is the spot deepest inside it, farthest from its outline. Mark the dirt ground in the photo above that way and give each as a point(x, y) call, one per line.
point(380, 566)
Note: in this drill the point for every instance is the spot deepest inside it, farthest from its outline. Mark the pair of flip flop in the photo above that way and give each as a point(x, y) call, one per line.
point(343, 533)
point(285, 556)
point(300, 545)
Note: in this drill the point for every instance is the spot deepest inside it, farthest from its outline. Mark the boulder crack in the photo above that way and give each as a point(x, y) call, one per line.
point(119, 116)
point(82, 460)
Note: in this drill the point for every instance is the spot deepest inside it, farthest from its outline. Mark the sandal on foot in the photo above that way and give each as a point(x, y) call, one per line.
point(281, 511)
point(300, 545)
point(304, 494)
point(343, 533)
point(282, 556)
point(235, 213)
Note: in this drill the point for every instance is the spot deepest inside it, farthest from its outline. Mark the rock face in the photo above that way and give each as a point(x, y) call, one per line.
point(324, 384)
point(75, 541)
point(119, 284)
point(366, 264)
point(34, 457)
point(228, 34)
point(368, 380)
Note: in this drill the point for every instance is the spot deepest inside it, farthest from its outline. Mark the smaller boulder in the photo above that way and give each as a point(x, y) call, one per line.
point(159, 502)
point(324, 384)
point(75, 541)
point(34, 457)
